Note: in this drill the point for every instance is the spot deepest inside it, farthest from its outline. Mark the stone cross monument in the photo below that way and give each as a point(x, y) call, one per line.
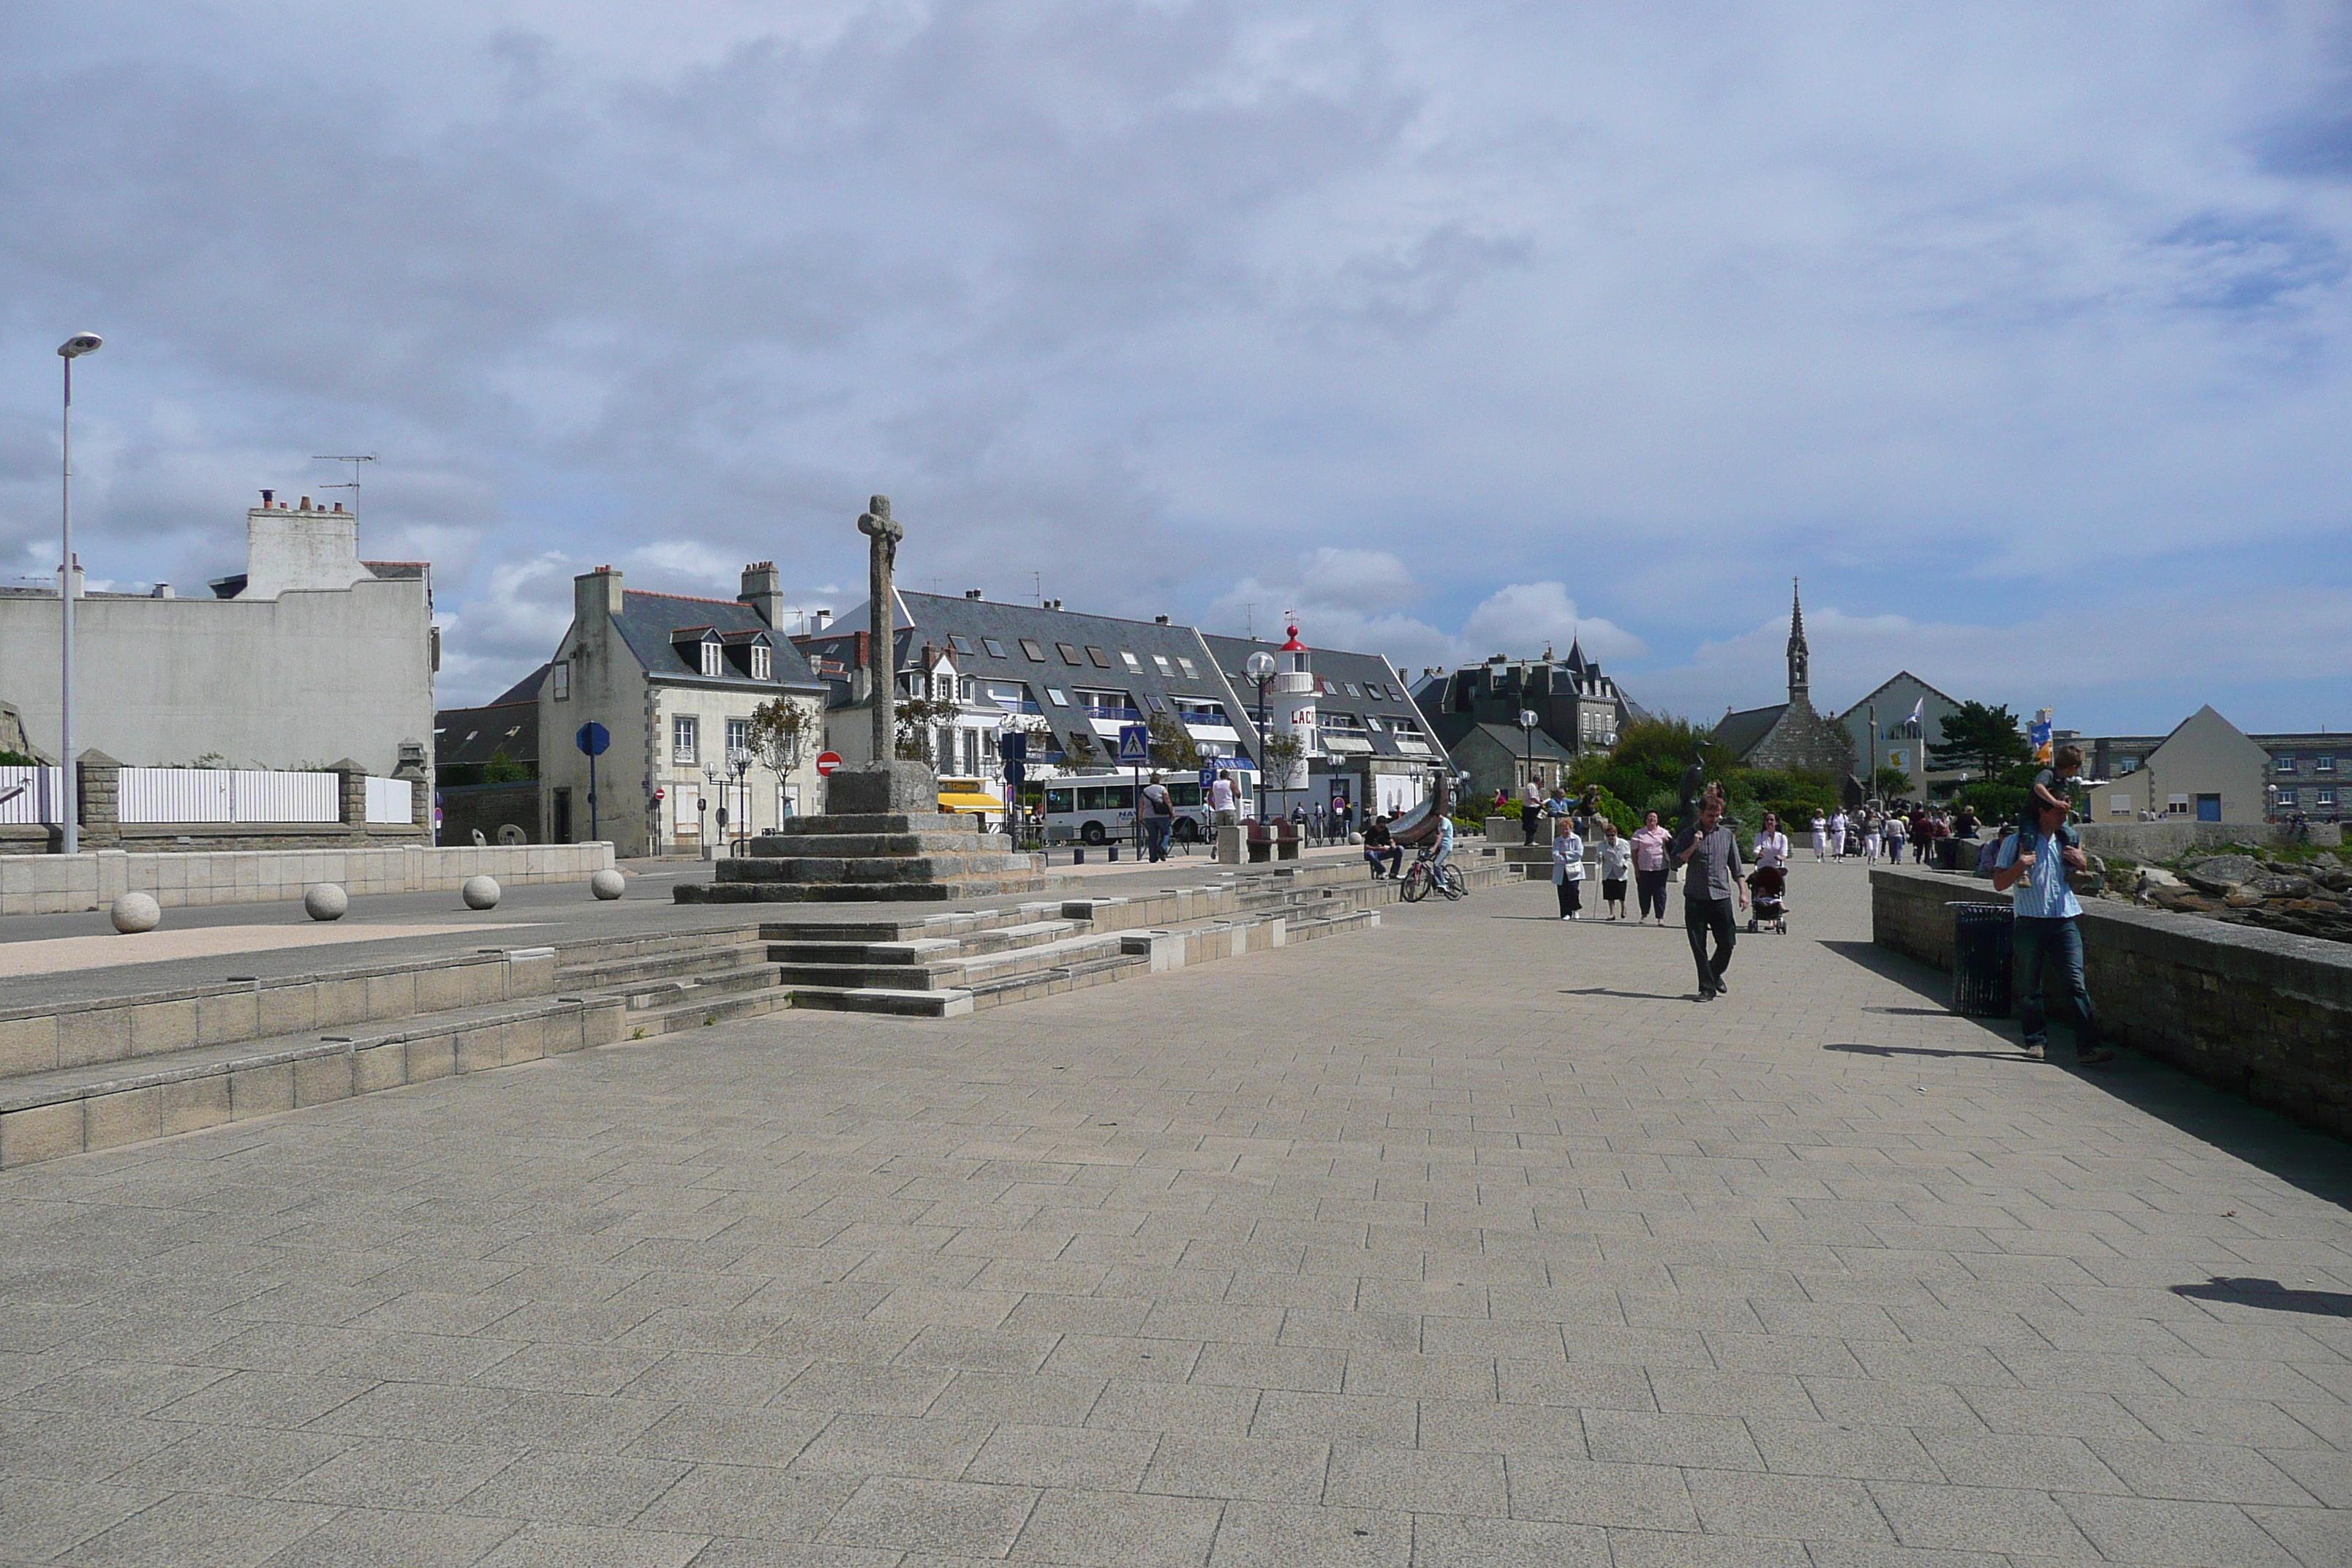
point(885, 534)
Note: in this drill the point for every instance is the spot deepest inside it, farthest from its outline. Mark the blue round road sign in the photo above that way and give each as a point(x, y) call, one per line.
point(592, 739)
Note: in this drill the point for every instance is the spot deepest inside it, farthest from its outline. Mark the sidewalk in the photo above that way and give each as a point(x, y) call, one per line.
point(1468, 1241)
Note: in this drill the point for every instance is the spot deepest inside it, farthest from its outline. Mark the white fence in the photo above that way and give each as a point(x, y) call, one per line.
point(389, 801)
point(225, 795)
point(31, 796)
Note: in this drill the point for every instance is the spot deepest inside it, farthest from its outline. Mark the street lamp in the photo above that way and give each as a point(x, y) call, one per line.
point(738, 760)
point(1259, 667)
point(72, 349)
point(1528, 719)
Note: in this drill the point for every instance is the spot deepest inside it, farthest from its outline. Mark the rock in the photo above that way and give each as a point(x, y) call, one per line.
point(2183, 901)
point(2242, 899)
point(2220, 873)
point(608, 884)
point(135, 912)
point(2154, 877)
point(2335, 881)
point(2272, 886)
point(326, 902)
point(480, 892)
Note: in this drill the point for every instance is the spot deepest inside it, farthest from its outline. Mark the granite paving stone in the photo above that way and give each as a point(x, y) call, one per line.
point(1481, 1243)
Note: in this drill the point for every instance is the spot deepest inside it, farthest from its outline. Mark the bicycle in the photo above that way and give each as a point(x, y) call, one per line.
point(1424, 874)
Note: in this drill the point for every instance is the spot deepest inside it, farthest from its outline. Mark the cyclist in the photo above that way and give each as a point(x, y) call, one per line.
point(1444, 845)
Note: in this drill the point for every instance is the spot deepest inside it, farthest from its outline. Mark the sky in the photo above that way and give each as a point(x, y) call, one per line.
point(2019, 332)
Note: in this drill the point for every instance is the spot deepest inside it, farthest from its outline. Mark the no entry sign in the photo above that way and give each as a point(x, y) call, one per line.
point(825, 762)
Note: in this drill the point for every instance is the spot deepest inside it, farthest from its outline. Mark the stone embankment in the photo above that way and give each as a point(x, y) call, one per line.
point(2300, 898)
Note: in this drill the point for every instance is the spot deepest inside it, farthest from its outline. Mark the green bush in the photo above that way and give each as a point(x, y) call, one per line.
point(16, 759)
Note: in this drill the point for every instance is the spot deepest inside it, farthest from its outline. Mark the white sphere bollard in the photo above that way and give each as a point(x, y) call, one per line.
point(608, 884)
point(134, 912)
point(326, 902)
point(480, 892)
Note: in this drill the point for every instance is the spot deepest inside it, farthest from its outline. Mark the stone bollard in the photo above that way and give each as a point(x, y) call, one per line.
point(326, 902)
point(608, 884)
point(135, 912)
point(480, 892)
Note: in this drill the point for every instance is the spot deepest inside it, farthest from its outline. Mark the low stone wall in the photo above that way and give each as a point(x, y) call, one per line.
point(55, 884)
point(2258, 1013)
point(2166, 840)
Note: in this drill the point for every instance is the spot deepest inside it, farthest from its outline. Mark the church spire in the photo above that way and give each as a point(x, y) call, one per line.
point(1800, 683)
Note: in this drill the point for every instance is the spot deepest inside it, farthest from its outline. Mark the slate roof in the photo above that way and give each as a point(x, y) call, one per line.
point(462, 735)
point(1337, 669)
point(984, 625)
point(523, 690)
point(648, 621)
point(1514, 741)
point(1740, 733)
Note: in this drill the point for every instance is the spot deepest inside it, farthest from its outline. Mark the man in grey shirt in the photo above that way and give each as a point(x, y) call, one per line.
point(1708, 853)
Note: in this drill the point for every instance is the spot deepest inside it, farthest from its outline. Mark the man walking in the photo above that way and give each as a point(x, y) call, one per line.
point(1531, 811)
point(1158, 819)
point(2034, 861)
point(1708, 852)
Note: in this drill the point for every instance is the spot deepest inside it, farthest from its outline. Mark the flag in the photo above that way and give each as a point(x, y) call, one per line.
point(2038, 732)
point(1914, 721)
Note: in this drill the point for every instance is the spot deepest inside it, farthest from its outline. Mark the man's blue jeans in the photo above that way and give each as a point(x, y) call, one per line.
point(2032, 943)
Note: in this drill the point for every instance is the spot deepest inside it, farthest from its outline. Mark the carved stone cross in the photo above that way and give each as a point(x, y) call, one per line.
point(878, 526)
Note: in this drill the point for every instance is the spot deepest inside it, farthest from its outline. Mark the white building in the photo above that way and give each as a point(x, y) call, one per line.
point(309, 656)
point(675, 682)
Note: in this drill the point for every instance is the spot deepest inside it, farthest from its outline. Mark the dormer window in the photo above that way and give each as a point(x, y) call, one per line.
point(714, 659)
point(763, 662)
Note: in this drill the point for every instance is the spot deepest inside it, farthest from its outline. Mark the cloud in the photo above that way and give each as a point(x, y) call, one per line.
point(1480, 323)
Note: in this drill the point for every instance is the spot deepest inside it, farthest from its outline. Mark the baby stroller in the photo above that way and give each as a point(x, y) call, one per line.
point(1768, 886)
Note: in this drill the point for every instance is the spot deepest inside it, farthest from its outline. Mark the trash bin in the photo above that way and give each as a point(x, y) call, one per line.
point(1981, 936)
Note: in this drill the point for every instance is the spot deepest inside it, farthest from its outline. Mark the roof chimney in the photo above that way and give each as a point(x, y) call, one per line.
point(306, 503)
point(596, 596)
point(763, 591)
point(1159, 620)
point(269, 497)
point(972, 593)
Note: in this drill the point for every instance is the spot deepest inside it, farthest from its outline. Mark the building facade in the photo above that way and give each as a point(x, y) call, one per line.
point(1577, 708)
point(309, 656)
point(1790, 737)
point(1368, 741)
point(486, 762)
point(2206, 770)
point(2307, 771)
point(1071, 680)
point(675, 682)
point(2301, 772)
point(1880, 726)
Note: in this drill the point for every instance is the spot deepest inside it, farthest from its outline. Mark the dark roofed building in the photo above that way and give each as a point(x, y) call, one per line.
point(1370, 735)
point(1578, 707)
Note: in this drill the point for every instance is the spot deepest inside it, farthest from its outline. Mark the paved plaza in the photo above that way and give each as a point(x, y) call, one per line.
point(1470, 1240)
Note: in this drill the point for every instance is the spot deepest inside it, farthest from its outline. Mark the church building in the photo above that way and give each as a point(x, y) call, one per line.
point(1790, 737)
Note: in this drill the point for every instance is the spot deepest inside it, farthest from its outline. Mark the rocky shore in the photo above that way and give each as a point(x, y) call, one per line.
point(2305, 898)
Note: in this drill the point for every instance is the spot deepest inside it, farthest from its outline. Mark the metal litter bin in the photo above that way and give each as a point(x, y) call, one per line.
point(1980, 959)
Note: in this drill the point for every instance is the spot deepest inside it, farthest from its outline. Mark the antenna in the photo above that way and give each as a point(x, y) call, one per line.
point(1037, 581)
point(1249, 620)
point(354, 459)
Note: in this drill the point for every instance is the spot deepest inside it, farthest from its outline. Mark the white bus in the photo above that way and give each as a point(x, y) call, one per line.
point(1099, 808)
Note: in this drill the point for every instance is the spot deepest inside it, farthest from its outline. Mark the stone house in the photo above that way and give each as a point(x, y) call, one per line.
point(675, 681)
point(1579, 710)
point(1790, 737)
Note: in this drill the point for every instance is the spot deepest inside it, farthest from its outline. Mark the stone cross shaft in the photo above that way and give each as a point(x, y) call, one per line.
point(885, 534)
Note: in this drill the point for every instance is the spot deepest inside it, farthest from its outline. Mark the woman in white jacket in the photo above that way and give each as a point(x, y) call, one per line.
point(1616, 860)
point(1568, 866)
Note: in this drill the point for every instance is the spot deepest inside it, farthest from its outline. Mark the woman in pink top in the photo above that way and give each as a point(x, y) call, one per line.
point(1650, 867)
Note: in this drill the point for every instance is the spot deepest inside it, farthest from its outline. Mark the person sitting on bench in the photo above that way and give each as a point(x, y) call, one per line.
point(1380, 847)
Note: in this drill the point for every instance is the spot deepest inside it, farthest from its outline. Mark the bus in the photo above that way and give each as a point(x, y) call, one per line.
point(1097, 808)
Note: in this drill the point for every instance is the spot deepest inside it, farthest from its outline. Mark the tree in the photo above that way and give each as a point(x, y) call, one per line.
point(1891, 783)
point(780, 729)
point(1171, 746)
point(504, 769)
point(919, 719)
point(1986, 741)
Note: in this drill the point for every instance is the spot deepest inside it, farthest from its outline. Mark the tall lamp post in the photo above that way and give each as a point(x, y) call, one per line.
point(1259, 667)
point(72, 349)
point(1528, 719)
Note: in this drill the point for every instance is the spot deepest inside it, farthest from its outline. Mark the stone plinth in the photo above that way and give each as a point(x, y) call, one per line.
point(893, 788)
point(870, 857)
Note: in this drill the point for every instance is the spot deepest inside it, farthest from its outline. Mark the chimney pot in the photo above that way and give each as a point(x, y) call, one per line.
point(1159, 620)
point(269, 497)
point(972, 593)
point(306, 503)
